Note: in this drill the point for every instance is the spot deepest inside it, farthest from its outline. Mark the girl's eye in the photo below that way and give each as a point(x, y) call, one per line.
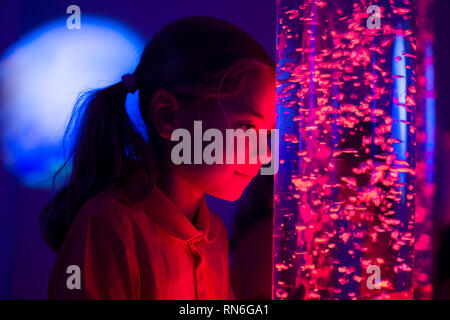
point(246, 126)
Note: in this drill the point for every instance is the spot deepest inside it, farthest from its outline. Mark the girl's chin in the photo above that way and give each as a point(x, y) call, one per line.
point(235, 187)
point(231, 196)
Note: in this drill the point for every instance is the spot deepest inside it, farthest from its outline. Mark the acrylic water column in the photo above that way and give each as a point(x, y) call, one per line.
point(344, 201)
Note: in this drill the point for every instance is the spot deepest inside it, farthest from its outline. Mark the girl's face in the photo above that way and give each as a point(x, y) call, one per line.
point(252, 107)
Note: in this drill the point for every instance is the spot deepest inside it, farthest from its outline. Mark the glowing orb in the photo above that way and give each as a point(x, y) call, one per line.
point(40, 79)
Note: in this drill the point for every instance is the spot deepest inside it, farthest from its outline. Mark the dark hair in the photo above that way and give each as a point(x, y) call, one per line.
point(189, 57)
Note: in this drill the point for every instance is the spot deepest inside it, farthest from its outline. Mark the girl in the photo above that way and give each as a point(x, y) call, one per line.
point(129, 223)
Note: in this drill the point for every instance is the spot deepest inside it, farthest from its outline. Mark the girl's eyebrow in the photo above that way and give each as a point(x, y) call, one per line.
point(251, 113)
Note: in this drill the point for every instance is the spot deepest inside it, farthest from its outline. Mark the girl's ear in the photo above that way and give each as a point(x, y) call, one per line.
point(164, 112)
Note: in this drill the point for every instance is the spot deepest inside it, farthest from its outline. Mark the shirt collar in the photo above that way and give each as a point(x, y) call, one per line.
point(168, 217)
point(164, 212)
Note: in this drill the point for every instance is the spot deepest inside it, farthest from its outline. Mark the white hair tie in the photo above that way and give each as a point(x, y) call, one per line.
point(130, 82)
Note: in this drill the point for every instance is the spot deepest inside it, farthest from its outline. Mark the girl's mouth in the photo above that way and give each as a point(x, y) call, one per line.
point(243, 174)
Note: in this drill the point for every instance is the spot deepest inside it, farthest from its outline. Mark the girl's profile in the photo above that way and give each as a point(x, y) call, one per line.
point(136, 224)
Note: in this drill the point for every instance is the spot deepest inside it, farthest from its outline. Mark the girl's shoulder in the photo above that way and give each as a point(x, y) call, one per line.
point(108, 203)
point(112, 209)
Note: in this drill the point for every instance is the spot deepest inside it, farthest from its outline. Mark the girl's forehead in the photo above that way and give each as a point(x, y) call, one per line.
point(255, 98)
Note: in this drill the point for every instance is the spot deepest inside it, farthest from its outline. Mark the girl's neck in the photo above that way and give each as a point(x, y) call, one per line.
point(185, 198)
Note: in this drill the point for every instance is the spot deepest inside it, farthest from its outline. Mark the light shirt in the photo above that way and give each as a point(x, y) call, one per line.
point(144, 250)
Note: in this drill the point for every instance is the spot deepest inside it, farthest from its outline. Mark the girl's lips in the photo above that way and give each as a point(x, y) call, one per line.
point(243, 174)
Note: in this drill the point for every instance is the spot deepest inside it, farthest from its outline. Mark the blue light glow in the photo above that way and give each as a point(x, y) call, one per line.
point(40, 79)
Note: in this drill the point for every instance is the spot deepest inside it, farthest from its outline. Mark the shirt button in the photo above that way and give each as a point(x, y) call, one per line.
point(195, 252)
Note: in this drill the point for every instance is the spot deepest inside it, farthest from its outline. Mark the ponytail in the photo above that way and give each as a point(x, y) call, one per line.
point(103, 153)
